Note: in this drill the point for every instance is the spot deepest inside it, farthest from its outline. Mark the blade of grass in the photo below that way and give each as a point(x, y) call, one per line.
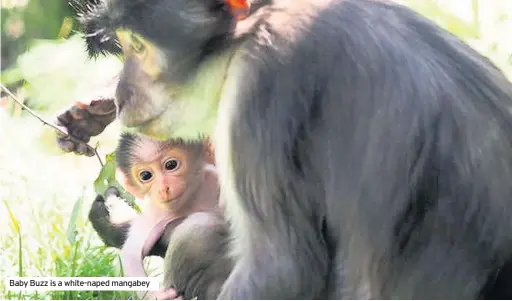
point(16, 227)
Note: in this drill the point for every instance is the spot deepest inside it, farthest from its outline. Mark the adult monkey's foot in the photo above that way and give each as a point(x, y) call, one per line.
point(85, 119)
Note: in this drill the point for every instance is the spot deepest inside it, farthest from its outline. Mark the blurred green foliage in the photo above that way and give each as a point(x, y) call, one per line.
point(24, 20)
point(44, 55)
point(485, 25)
point(55, 72)
point(107, 178)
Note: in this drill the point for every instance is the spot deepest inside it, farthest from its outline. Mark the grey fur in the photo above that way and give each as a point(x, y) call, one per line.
point(371, 151)
point(195, 251)
point(196, 262)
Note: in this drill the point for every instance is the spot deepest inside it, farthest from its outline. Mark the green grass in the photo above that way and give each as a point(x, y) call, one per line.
point(45, 198)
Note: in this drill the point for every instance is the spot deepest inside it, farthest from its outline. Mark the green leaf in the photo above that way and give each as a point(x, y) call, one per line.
point(11, 76)
point(107, 178)
point(107, 174)
point(72, 232)
point(16, 227)
point(13, 219)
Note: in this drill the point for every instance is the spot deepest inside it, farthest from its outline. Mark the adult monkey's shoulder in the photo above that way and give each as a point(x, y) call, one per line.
point(352, 143)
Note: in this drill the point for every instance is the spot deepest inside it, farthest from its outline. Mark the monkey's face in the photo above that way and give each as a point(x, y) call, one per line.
point(162, 176)
point(165, 90)
point(140, 96)
point(167, 173)
point(151, 99)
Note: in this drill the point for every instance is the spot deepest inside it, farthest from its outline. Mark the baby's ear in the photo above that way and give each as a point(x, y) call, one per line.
point(209, 153)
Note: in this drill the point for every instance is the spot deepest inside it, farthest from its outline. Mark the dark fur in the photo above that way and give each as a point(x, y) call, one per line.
point(195, 252)
point(196, 263)
point(100, 41)
point(114, 234)
point(99, 26)
point(99, 216)
point(371, 150)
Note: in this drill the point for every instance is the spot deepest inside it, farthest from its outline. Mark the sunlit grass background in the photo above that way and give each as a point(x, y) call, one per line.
point(45, 195)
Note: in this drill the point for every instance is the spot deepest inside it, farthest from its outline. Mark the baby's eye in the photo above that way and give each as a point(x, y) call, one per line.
point(145, 176)
point(171, 164)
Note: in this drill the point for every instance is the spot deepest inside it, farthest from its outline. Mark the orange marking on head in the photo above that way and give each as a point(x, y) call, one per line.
point(238, 3)
point(239, 8)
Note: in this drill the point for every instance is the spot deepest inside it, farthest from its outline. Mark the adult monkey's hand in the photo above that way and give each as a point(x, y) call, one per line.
point(86, 119)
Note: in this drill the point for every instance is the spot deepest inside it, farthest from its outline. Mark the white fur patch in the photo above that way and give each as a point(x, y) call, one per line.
point(193, 111)
point(119, 210)
point(222, 143)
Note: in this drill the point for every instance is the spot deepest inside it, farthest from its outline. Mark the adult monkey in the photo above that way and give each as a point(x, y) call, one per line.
point(357, 142)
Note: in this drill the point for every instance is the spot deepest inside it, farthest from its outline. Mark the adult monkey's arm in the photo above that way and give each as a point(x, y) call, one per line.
point(85, 119)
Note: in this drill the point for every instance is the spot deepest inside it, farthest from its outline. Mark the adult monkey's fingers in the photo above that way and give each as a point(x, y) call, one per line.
point(101, 107)
point(70, 144)
point(65, 145)
point(79, 123)
point(83, 148)
point(87, 118)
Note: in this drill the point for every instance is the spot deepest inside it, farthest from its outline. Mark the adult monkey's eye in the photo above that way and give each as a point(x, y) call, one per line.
point(172, 164)
point(145, 176)
point(137, 44)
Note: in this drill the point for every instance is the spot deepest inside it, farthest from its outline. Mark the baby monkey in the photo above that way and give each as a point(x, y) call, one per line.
point(180, 220)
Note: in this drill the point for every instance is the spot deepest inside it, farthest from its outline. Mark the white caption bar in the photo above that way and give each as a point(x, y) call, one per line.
point(82, 283)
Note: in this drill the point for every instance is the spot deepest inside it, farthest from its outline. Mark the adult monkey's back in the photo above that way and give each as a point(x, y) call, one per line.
point(360, 146)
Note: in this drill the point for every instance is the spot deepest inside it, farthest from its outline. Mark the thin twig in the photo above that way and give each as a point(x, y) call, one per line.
point(98, 155)
point(30, 110)
point(60, 130)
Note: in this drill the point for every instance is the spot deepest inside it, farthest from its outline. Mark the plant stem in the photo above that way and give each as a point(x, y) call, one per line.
point(60, 130)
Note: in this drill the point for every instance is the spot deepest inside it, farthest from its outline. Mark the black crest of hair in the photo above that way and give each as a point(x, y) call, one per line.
point(94, 22)
point(181, 25)
point(124, 151)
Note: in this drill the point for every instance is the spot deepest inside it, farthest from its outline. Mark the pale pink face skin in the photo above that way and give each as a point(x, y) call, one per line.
point(148, 227)
point(160, 174)
point(171, 195)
